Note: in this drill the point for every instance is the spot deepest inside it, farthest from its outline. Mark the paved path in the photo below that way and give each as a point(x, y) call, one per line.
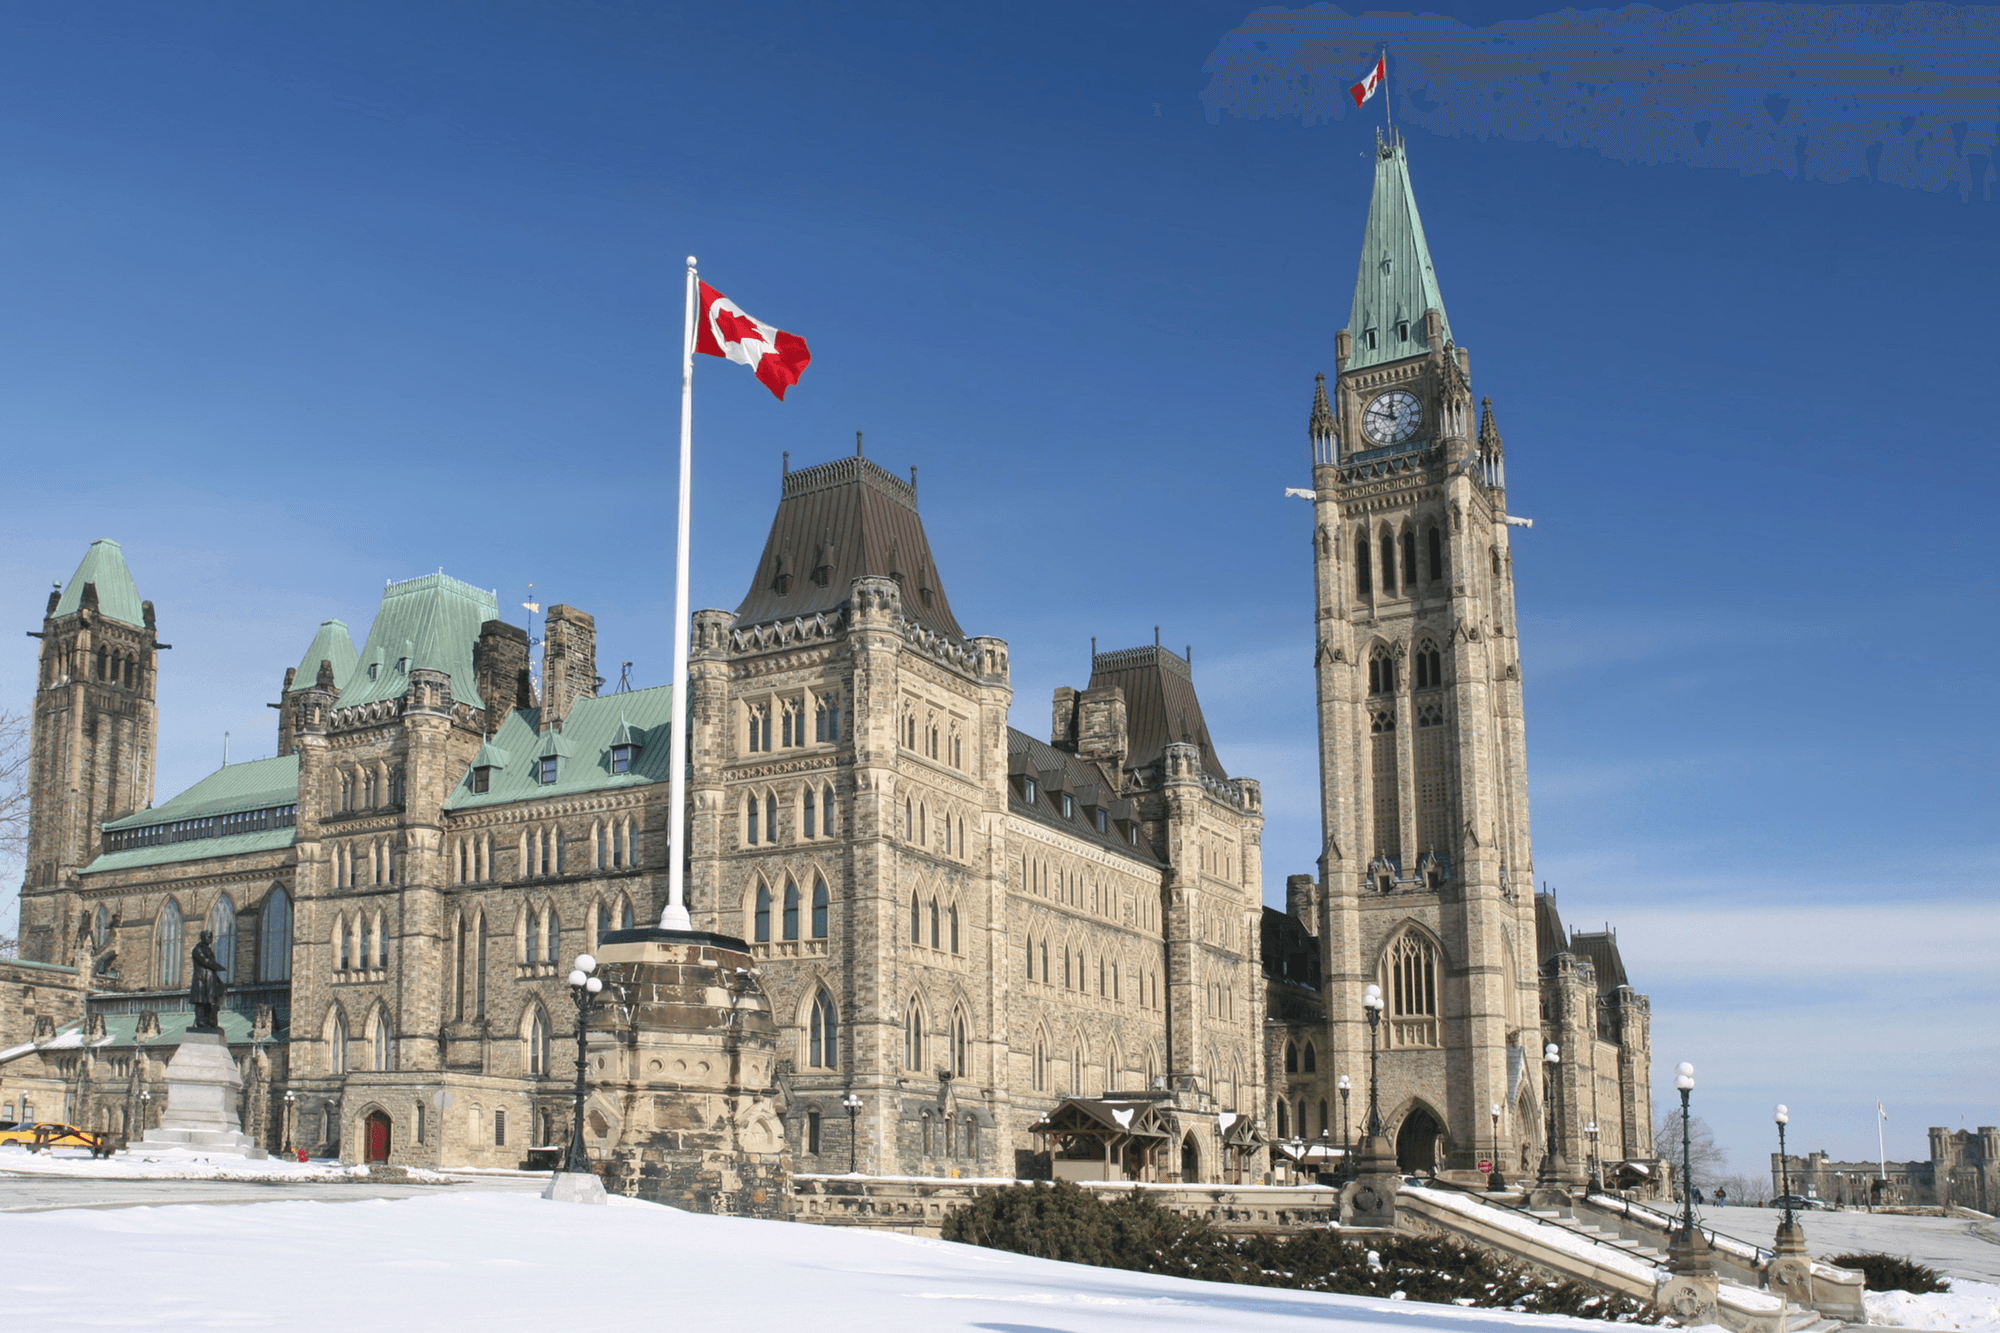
point(26, 1194)
point(1960, 1248)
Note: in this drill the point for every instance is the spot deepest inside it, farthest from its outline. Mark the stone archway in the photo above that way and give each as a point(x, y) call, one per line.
point(1190, 1161)
point(375, 1137)
point(1417, 1141)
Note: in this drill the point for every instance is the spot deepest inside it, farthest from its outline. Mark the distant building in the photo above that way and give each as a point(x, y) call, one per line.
point(1963, 1171)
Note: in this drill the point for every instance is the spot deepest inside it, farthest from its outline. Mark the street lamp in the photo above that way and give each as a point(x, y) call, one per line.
point(291, 1106)
point(853, 1105)
point(1552, 1162)
point(1684, 1080)
point(1346, 1086)
point(145, 1111)
point(583, 987)
point(1595, 1182)
point(1371, 1004)
point(1496, 1181)
point(1783, 1116)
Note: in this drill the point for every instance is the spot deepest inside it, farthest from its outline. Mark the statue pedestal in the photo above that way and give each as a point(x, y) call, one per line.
point(1369, 1200)
point(575, 1187)
point(202, 1089)
point(1688, 1289)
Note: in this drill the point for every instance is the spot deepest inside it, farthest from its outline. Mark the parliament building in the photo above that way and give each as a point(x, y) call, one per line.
point(964, 927)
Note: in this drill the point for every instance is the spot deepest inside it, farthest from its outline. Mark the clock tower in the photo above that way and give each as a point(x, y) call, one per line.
point(1426, 872)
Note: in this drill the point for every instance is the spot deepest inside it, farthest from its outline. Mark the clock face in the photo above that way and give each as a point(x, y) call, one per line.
point(1393, 418)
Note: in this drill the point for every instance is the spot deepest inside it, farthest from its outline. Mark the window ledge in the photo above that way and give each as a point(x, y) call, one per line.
point(351, 975)
point(529, 971)
point(789, 949)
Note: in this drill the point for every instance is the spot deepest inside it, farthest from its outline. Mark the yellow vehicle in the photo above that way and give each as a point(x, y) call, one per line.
point(54, 1134)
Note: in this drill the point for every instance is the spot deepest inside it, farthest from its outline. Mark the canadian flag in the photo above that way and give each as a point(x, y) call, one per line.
point(1365, 89)
point(774, 356)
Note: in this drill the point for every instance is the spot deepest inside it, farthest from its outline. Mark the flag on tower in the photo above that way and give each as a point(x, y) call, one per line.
point(1879, 1111)
point(724, 329)
point(1365, 89)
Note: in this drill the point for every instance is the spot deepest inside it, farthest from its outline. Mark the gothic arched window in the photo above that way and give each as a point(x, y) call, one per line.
point(934, 924)
point(1388, 561)
point(807, 824)
point(167, 960)
point(1409, 559)
point(1362, 581)
point(1435, 541)
point(960, 1048)
point(381, 1049)
point(822, 1041)
point(819, 906)
point(916, 921)
point(222, 924)
point(1291, 1064)
point(1309, 1059)
point(791, 910)
point(336, 1042)
point(913, 1036)
point(1412, 967)
point(951, 917)
point(761, 921)
point(538, 1042)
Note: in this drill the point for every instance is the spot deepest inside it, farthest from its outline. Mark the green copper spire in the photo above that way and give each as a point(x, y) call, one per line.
point(104, 565)
point(1396, 283)
point(331, 644)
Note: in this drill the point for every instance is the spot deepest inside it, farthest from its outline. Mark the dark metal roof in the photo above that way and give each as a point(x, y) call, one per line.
point(1057, 771)
point(836, 522)
point(1290, 952)
point(1550, 938)
point(1601, 948)
point(1160, 703)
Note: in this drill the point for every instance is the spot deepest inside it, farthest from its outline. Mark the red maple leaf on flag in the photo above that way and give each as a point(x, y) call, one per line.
point(737, 328)
point(722, 329)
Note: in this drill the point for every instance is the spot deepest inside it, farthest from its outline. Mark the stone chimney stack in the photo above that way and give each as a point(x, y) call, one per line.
point(1062, 720)
point(1100, 726)
point(569, 663)
point(500, 663)
point(1302, 901)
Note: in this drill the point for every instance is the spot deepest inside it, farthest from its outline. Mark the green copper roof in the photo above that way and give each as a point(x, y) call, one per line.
point(583, 750)
point(331, 644)
point(200, 849)
point(257, 784)
point(1396, 283)
point(104, 565)
point(429, 623)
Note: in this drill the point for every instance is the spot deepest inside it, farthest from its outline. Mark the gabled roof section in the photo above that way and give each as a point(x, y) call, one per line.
point(1396, 283)
point(1057, 771)
point(331, 644)
point(582, 749)
point(257, 784)
point(837, 522)
point(1550, 937)
point(431, 623)
point(104, 565)
point(1160, 703)
point(1601, 948)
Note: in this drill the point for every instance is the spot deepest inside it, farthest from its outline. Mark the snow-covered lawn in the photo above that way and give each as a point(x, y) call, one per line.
point(1960, 1247)
point(178, 1164)
point(496, 1262)
point(1973, 1307)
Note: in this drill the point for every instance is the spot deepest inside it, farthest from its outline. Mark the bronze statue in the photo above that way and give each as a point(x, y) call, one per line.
point(207, 988)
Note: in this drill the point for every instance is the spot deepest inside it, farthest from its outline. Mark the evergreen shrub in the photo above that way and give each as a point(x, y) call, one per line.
point(1887, 1272)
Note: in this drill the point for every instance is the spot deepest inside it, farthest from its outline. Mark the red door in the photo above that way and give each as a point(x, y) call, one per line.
point(378, 1137)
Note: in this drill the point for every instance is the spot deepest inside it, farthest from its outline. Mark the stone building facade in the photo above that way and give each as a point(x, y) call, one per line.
point(956, 923)
point(1425, 881)
point(1963, 1171)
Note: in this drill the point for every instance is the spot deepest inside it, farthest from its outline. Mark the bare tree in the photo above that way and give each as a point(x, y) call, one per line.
point(13, 811)
point(1706, 1160)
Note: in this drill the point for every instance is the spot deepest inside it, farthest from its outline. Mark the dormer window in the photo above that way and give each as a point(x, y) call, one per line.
point(1103, 822)
point(1403, 330)
point(374, 670)
point(1028, 790)
point(403, 666)
point(1068, 807)
point(482, 778)
point(545, 769)
point(1132, 834)
point(621, 759)
point(1368, 336)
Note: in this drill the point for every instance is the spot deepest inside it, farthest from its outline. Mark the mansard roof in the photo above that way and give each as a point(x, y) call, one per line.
point(1550, 937)
point(1161, 706)
point(837, 522)
point(431, 623)
point(1396, 282)
point(332, 644)
point(1057, 771)
point(239, 808)
point(582, 750)
point(104, 565)
point(1601, 948)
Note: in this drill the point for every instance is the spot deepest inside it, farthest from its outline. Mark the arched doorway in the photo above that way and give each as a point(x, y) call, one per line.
point(1417, 1141)
point(1190, 1160)
point(375, 1132)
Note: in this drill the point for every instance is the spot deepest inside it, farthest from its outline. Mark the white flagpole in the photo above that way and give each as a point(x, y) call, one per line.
point(1388, 116)
point(675, 915)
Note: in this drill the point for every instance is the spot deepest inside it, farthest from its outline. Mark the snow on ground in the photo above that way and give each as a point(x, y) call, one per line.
point(1959, 1247)
point(502, 1262)
point(1969, 1307)
point(180, 1164)
point(1556, 1238)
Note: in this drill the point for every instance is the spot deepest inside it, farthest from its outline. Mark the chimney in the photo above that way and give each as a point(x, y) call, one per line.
point(1062, 720)
point(569, 663)
point(285, 740)
point(1302, 901)
point(500, 671)
point(1100, 726)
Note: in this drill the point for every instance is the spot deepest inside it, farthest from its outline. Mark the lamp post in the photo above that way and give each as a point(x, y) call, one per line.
point(1371, 1004)
point(583, 987)
point(1595, 1183)
point(1684, 1080)
point(1496, 1181)
point(1346, 1086)
point(291, 1109)
point(853, 1105)
point(145, 1111)
point(1783, 1116)
point(1551, 1189)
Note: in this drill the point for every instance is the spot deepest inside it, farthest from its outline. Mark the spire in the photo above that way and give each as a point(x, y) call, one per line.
point(1396, 284)
point(1320, 425)
point(332, 645)
point(104, 574)
point(1489, 432)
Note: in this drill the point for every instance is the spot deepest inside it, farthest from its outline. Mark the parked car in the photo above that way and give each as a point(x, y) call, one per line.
point(1799, 1203)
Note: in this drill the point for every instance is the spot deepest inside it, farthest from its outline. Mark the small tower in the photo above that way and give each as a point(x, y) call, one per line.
point(93, 736)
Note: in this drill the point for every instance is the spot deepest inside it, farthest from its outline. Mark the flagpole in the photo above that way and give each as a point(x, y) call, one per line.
point(1388, 117)
point(675, 915)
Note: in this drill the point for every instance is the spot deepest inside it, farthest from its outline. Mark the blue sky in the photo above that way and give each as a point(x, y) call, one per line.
point(298, 301)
